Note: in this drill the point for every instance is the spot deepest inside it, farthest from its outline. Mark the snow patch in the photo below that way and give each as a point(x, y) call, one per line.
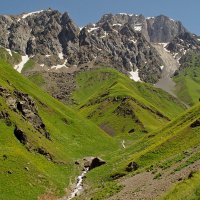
point(198, 39)
point(164, 46)
point(9, 51)
point(117, 24)
point(127, 14)
point(92, 29)
point(42, 65)
point(178, 60)
point(99, 49)
point(59, 66)
point(134, 41)
point(105, 35)
point(175, 55)
point(134, 75)
point(31, 13)
point(47, 56)
point(150, 18)
point(162, 67)
point(20, 66)
point(61, 56)
point(138, 27)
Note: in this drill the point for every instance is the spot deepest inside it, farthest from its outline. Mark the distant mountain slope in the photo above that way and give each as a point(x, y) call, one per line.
point(40, 139)
point(119, 105)
point(53, 47)
point(53, 42)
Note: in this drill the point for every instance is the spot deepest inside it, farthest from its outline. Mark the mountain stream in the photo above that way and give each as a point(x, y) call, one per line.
point(79, 185)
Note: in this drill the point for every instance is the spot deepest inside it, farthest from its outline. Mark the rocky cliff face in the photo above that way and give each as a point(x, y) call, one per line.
point(44, 32)
point(123, 41)
point(24, 105)
point(162, 29)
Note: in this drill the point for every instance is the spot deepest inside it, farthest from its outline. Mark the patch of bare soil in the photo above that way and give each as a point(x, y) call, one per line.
point(145, 186)
point(47, 196)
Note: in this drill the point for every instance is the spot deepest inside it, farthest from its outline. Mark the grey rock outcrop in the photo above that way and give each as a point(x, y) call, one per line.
point(6, 117)
point(125, 42)
point(25, 105)
point(46, 32)
point(162, 29)
point(121, 41)
point(182, 43)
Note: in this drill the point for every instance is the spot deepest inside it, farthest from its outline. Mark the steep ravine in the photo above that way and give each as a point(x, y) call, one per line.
point(170, 66)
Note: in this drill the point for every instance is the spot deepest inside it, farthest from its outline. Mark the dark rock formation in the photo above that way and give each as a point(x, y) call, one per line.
point(132, 166)
point(44, 152)
point(132, 131)
point(24, 104)
point(195, 124)
point(93, 162)
point(21, 136)
point(4, 115)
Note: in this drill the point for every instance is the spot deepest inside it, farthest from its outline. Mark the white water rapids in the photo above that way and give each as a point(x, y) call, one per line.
point(79, 185)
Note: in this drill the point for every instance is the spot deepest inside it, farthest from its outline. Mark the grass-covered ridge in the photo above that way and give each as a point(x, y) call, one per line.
point(119, 105)
point(188, 78)
point(175, 144)
point(73, 137)
point(188, 85)
point(158, 138)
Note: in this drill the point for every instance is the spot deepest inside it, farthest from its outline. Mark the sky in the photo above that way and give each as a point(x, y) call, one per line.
point(90, 11)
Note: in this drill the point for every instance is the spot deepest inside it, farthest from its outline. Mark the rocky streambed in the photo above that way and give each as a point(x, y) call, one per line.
point(87, 164)
point(79, 185)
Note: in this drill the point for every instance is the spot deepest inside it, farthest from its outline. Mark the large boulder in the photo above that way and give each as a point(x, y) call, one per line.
point(92, 162)
point(195, 124)
point(132, 166)
point(20, 135)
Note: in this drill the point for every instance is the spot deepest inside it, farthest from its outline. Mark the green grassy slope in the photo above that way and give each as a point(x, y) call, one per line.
point(73, 137)
point(188, 79)
point(155, 151)
point(119, 105)
point(188, 85)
